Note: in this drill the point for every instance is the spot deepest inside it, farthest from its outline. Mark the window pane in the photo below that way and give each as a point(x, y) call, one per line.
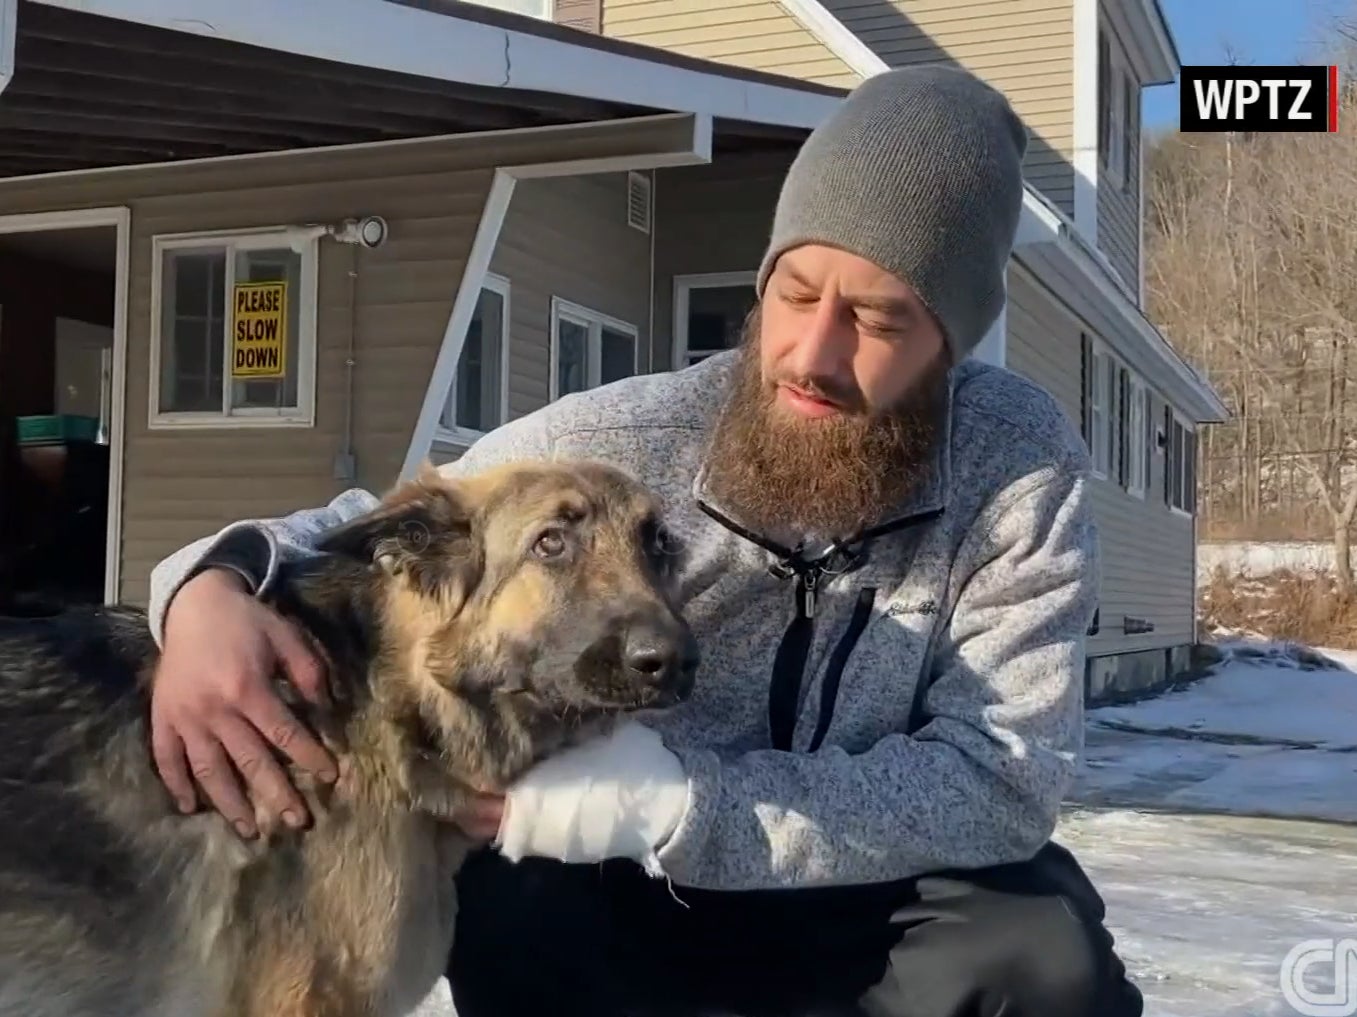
point(282, 265)
point(617, 356)
point(477, 400)
point(572, 344)
point(1147, 435)
point(192, 334)
point(716, 315)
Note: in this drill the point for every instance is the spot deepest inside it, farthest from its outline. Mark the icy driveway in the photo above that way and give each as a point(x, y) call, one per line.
point(1204, 894)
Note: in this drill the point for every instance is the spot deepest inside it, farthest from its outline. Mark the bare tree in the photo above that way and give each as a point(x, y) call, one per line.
point(1252, 268)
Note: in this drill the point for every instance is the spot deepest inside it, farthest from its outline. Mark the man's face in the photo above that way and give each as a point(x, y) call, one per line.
point(835, 409)
point(842, 336)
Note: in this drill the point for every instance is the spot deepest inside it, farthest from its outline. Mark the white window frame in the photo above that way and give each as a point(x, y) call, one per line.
point(683, 288)
point(303, 415)
point(1100, 409)
point(1112, 158)
point(446, 433)
point(1138, 436)
point(595, 322)
point(1181, 464)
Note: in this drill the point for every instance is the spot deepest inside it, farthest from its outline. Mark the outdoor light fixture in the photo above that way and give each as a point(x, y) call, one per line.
point(369, 231)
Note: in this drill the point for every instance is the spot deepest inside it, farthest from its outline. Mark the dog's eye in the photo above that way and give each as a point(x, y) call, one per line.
point(550, 544)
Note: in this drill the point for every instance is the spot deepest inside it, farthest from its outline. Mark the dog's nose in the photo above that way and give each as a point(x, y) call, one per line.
point(661, 654)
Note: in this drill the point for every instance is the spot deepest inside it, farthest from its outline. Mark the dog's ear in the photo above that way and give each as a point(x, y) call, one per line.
point(422, 532)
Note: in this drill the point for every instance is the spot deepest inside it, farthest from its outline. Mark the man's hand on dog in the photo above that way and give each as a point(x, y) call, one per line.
point(215, 712)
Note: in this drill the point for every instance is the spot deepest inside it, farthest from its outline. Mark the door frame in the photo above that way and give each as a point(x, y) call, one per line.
point(120, 218)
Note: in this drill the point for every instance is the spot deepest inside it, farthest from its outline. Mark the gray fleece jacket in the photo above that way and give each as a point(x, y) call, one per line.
point(926, 711)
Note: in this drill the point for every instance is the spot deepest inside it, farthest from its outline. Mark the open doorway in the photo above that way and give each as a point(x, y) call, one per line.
point(62, 346)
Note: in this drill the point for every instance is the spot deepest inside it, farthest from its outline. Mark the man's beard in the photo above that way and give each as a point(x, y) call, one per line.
point(788, 477)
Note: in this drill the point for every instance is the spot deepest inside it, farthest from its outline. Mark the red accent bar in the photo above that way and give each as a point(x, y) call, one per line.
point(1333, 98)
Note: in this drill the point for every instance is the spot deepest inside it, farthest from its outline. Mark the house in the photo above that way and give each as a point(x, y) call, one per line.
point(1075, 317)
point(412, 226)
point(433, 216)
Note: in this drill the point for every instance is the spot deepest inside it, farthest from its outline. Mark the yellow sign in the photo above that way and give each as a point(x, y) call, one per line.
point(259, 330)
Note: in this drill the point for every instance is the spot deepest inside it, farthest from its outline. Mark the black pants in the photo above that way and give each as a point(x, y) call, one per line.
point(541, 937)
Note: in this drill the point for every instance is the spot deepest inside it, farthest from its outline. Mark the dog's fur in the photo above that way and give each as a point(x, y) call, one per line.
point(471, 627)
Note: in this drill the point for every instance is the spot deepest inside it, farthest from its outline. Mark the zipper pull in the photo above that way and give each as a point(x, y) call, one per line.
point(809, 580)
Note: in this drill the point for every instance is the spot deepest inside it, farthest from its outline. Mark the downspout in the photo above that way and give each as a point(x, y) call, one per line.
point(9, 30)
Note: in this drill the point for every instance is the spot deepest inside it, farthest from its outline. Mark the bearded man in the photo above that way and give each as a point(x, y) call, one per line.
point(890, 563)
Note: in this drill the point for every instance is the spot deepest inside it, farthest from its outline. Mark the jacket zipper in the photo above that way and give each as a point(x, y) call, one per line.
point(829, 691)
point(789, 666)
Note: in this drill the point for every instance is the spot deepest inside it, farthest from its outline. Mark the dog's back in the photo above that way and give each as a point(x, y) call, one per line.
point(92, 859)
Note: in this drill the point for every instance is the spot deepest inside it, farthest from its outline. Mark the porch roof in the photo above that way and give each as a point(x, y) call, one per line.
point(104, 83)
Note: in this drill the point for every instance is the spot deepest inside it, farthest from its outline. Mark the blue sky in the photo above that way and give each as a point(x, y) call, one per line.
point(1259, 32)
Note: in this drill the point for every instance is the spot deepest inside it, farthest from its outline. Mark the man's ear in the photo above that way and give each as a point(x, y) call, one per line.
point(421, 532)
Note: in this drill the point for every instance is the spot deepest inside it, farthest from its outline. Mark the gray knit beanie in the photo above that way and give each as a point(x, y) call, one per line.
point(919, 171)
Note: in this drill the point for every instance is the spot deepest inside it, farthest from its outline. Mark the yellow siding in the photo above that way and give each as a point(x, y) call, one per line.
point(1147, 548)
point(760, 35)
point(1025, 48)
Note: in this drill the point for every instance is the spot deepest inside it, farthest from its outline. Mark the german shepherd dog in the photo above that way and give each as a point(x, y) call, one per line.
point(472, 627)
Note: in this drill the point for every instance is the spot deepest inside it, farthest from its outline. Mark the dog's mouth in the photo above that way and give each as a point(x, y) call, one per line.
point(574, 700)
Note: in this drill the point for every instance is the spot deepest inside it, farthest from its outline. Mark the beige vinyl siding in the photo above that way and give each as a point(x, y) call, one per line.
point(183, 484)
point(566, 237)
point(1147, 548)
point(712, 218)
point(760, 35)
point(1025, 48)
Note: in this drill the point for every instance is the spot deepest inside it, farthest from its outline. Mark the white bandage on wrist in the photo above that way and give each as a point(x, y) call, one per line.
point(619, 796)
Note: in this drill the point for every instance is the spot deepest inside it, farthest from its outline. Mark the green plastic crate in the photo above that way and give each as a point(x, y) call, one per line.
point(56, 429)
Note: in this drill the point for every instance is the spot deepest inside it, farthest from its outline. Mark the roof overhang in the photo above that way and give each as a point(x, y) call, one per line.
point(97, 91)
point(456, 43)
point(1082, 278)
point(1141, 25)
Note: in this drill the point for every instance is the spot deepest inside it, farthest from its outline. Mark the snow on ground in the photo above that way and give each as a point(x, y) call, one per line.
point(1192, 816)
point(1259, 558)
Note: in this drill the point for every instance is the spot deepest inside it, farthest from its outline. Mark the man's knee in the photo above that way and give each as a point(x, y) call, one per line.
point(1019, 956)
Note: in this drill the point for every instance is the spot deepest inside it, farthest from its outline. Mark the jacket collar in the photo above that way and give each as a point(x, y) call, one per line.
point(926, 501)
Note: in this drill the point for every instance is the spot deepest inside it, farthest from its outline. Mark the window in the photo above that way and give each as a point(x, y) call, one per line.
point(588, 349)
point(1097, 396)
point(1116, 418)
point(478, 400)
point(233, 330)
point(1180, 464)
point(1118, 95)
point(1138, 439)
point(709, 313)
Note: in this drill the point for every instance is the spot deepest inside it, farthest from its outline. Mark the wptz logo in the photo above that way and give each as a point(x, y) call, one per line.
point(1331, 961)
point(1259, 99)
